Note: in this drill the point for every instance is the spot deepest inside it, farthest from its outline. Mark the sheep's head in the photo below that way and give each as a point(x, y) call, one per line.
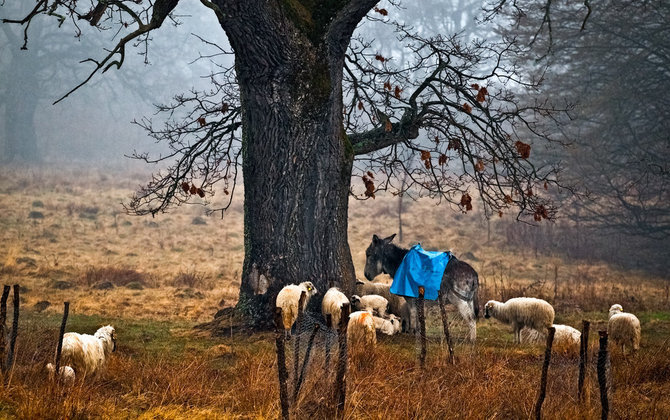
point(108, 335)
point(615, 309)
point(311, 290)
point(488, 308)
point(396, 322)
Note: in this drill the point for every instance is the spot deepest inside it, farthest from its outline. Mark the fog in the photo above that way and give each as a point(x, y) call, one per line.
point(94, 124)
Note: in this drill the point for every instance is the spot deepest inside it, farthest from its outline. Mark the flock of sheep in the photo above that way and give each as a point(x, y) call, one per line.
point(536, 315)
point(84, 355)
point(378, 310)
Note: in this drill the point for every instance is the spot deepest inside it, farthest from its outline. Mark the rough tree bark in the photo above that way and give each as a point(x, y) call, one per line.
point(297, 156)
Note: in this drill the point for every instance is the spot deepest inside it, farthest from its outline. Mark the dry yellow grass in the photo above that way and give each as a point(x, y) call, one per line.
point(169, 269)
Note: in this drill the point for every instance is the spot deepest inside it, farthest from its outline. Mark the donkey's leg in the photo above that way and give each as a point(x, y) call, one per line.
point(467, 311)
point(412, 315)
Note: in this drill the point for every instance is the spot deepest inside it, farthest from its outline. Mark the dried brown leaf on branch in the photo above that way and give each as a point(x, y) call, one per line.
point(523, 149)
point(388, 126)
point(425, 157)
point(387, 86)
point(378, 57)
point(442, 159)
point(466, 201)
point(193, 190)
point(369, 187)
point(185, 186)
point(455, 144)
point(370, 175)
point(382, 12)
point(540, 213)
point(467, 108)
point(202, 121)
point(360, 105)
point(479, 166)
point(200, 192)
point(225, 107)
point(475, 86)
point(397, 92)
point(481, 95)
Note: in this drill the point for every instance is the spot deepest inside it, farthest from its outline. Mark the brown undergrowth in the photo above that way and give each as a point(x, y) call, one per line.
point(154, 279)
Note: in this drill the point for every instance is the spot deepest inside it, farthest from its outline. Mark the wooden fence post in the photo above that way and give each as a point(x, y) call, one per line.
point(61, 333)
point(445, 326)
point(545, 370)
point(340, 377)
point(422, 328)
point(15, 329)
point(3, 326)
point(282, 372)
point(583, 359)
point(296, 343)
point(602, 374)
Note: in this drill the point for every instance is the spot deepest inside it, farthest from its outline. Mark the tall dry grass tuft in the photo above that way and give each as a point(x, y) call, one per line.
point(118, 276)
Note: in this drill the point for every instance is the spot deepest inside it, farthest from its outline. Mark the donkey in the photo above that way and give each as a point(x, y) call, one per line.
point(459, 286)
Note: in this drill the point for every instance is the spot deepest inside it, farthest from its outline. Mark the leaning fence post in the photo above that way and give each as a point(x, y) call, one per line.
point(3, 326)
point(281, 363)
point(545, 369)
point(59, 348)
point(15, 328)
point(583, 359)
point(445, 326)
point(305, 362)
point(340, 377)
point(422, 328)
point(296, 343)
point(602, 374)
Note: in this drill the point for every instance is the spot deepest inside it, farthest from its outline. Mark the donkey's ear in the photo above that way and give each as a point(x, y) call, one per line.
point(375, 239)
point(389, 239)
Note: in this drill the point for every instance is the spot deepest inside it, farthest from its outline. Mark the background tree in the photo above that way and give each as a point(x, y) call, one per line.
point(306, 105)
point(614, 68)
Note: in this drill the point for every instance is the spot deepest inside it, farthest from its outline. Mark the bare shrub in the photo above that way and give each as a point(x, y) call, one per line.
point(191, 279)
point(117, 276)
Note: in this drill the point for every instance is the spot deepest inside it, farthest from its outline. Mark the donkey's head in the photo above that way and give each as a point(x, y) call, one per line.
point(374, 256)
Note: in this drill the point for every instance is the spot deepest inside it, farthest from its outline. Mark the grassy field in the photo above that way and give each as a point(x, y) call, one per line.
point(65, 237)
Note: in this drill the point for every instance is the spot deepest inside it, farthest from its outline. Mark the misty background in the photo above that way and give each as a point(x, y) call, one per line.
point(612, 69)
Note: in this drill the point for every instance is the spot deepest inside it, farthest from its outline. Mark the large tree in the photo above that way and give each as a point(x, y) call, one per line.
point(307, 105)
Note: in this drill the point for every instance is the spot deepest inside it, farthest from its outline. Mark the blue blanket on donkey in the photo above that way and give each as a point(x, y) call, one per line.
point(420, 268)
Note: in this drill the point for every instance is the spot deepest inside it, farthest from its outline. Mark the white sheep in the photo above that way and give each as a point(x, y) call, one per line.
point(373, 303)
point(522, 312)
point(389, 326)
point(86, 353)
point(566, 338)
point(288, 299)
point(361, 338)
point(67, 375)
point(397, 304)
point(623, 328)
point(332, 304)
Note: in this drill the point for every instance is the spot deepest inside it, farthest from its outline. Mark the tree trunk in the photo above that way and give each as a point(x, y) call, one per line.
point(297, 159)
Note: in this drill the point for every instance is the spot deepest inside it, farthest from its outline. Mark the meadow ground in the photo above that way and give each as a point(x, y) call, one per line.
point(65, 237)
